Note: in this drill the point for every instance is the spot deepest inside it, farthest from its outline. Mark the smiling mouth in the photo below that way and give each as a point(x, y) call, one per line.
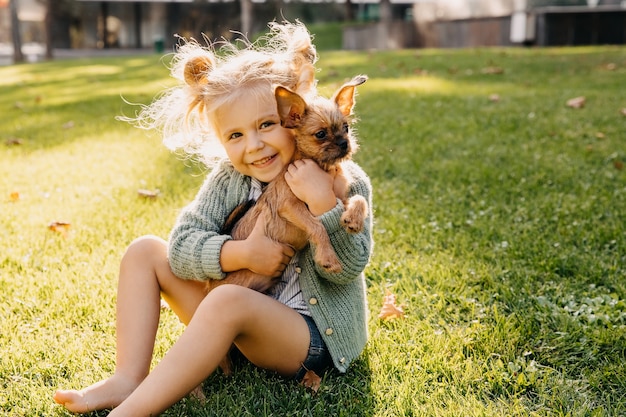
point(263, 161)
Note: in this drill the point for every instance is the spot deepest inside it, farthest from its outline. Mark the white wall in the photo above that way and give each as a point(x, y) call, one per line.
point(433, 10)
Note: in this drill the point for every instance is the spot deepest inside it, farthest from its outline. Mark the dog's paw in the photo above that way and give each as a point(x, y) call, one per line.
point(352, 224)
point(353, 218)
point(332, 267)
point(328, 261)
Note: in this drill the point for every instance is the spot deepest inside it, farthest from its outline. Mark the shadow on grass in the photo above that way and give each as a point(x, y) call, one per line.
point(250, 391)
point(55, 103)
point(254, 392)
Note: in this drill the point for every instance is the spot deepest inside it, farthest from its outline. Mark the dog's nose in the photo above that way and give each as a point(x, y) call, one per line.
point(343, 144)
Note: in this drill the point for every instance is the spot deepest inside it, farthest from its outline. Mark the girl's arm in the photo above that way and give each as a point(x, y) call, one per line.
point(353, 249)
point(312, 187)
point(198, 251)
point(195, 242)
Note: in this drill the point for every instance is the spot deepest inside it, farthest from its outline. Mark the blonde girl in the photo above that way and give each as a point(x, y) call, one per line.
point(313, 320)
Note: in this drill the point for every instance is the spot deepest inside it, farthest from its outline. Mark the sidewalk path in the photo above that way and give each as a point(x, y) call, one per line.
point(36, 53)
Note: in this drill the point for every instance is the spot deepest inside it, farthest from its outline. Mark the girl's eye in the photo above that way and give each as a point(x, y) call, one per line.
point(320, 134)
point(265, 125)
point(234, 136)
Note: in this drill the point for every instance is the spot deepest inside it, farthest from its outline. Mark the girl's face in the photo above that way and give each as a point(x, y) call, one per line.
point(255, 142)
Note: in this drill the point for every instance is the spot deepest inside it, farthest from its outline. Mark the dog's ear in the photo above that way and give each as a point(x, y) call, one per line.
point(291, 107)
point(344, 97)
point(197, 69)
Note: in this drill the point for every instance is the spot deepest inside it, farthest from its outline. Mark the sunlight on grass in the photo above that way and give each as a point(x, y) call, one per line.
point(417, 84)
point(500, 226)
point(430, 85)
point(68, 74)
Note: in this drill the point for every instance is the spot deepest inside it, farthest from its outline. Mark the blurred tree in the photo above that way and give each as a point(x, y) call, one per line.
point(54, 9)
point(49, 26)
point(246, 17)
point(349, 12)
point(18, 56)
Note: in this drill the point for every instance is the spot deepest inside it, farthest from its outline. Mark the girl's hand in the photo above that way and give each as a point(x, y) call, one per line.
point(257, 253)
point(311, 184)
point(265, 256)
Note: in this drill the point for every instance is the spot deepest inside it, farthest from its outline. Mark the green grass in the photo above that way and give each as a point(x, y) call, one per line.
point(500, 225)
point(327, 36)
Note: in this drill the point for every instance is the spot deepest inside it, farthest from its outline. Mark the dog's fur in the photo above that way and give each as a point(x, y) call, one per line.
point(321, 131)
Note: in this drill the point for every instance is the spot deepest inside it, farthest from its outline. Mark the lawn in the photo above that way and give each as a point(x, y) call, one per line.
point(500, 226)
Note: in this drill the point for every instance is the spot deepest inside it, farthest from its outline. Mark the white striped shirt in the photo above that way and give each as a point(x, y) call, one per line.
point(287, 290)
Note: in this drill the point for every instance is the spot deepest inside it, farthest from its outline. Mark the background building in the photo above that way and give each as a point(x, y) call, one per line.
point(366, 24)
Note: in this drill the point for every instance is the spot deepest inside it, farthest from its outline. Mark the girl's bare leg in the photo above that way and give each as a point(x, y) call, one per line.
point(270, 334)
point(144, 275)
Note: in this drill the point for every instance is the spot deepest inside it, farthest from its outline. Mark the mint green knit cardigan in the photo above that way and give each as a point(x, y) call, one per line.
point(337, 302)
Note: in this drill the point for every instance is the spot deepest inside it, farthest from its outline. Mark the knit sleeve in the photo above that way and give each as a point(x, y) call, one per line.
point(195, 242)
point(353, 249)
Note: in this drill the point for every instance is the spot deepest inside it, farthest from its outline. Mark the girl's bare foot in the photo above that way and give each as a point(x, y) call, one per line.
point(104, 394)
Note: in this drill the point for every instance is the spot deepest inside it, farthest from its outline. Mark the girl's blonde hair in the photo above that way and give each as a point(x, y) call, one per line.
point(217, 74)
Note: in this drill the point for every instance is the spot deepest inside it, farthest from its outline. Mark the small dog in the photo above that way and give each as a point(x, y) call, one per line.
point(322, 133)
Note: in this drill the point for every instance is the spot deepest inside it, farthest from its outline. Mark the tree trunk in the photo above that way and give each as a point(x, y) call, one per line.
point(246, 17)
point(49, 23)
point(18, 56)
point(137, 24)
point(104, 15)
point(385, 11)
point(349, 13)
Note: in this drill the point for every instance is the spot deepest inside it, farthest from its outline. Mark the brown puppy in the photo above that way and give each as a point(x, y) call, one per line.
point(321, 131)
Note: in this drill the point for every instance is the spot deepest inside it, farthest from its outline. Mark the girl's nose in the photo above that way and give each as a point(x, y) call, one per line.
point(254, 142)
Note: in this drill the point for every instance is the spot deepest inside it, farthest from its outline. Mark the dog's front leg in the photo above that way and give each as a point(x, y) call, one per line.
point(299, 215)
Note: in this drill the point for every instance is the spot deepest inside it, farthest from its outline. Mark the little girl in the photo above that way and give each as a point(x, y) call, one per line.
point(312, 320)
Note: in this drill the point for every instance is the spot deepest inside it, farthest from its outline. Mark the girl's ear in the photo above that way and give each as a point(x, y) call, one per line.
point(291, 107)
point(344, 97)
point(197, 69)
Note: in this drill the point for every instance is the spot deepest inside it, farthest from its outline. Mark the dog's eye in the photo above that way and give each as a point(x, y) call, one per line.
point(346, 128)
point(320, 134)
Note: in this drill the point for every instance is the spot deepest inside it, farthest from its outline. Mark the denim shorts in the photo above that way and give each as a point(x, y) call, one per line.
point(318, 360)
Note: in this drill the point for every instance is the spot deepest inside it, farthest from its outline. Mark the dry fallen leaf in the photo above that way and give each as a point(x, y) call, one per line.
point(494, 97)
point(623, 111)
point(148, 193)
point(576, 102)
point(13, 142)
point(493, 70)
point(619, 165)
point(389, 309)
point(198, 394)
point(59, 227)
point(14, 196)
point(68, 125)
point(311, 380)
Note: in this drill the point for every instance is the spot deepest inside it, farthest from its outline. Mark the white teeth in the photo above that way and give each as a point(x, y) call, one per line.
point(262, 161)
